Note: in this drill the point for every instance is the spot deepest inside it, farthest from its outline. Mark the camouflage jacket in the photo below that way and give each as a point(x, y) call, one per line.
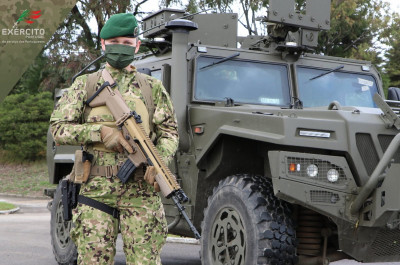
point(68, 129)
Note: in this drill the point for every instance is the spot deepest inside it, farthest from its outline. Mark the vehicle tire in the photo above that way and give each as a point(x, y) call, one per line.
point(64, 248)
point(245, 224)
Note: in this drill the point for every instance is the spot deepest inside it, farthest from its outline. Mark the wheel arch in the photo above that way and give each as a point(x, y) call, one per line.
point(229, 155)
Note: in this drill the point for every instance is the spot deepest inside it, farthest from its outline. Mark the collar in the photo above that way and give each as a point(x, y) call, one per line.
point(130, 69)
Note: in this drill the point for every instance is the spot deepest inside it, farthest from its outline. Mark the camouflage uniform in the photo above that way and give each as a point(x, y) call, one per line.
point(142, 220)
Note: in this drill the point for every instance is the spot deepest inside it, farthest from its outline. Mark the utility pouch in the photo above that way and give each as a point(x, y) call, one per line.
point(82, 166)
point(87, 165)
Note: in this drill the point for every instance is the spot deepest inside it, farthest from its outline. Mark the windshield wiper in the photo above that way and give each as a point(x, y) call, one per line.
point(221, 61)
point(330, 71)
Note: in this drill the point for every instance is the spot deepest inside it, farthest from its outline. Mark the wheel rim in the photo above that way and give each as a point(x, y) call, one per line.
point(228, 238)
point(62, 227)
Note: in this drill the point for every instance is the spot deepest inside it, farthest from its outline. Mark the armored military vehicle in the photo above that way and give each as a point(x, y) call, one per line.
point(287, 156)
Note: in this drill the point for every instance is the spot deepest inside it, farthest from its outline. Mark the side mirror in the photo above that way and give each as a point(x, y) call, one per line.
point(146, 71)
point(393, 93)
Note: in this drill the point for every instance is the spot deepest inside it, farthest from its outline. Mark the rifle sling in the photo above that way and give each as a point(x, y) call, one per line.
point(91, 85)
point(107, 77)
point(114, 212)
point(145, 87)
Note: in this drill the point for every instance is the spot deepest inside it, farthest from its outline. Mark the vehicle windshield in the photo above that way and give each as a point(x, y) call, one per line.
point(349, 89)
point(243, 81)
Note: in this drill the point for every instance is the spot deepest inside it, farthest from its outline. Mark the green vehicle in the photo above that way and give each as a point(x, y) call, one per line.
point(288, 157)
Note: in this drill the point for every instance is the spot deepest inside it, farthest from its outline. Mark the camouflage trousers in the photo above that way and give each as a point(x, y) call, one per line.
point(142, 223)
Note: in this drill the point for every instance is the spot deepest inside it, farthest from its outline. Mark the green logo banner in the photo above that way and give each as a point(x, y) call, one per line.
point(25, 28)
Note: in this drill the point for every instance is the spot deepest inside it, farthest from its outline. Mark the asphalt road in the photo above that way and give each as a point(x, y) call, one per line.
point(25, 239)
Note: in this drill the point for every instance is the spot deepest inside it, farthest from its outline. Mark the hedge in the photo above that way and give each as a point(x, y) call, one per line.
point(24, 120)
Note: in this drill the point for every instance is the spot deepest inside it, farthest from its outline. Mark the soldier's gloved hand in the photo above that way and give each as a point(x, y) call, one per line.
point(114, 140)
point(150, 177)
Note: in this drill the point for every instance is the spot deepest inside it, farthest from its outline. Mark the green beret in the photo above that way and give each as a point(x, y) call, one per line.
point(120, 25)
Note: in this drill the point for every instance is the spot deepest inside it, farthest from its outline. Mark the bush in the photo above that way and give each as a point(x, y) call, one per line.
point(24, 121)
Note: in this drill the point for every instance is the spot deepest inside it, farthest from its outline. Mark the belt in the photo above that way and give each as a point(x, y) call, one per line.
point(106, 171)
point(109, 171)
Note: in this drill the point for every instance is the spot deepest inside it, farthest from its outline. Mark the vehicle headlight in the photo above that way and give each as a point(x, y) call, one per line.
point(312, 171)
point(332, 175)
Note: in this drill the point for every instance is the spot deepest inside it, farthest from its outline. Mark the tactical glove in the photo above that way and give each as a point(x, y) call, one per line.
point(150, 177)
point(114, 140)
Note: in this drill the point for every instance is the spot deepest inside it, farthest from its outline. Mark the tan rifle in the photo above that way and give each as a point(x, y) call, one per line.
point(145, 153)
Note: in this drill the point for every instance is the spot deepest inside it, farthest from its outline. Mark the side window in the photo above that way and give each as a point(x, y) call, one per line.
point(243, 81)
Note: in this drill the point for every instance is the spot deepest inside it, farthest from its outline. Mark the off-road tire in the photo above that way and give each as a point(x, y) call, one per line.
point(245, 219)
point(64, 248)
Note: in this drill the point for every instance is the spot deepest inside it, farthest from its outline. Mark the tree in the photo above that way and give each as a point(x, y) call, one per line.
point(356, 26)
point(392, 39)
point(31, 80)
point(75, 43)
point(357, 31)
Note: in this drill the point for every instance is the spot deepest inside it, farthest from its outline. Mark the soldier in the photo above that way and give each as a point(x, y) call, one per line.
point(134, 208)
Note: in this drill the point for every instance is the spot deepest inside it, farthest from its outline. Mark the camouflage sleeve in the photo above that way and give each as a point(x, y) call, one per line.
point(166, 126)
point(65, 121)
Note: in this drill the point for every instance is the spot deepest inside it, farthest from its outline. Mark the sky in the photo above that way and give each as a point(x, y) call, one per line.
point(395, 4)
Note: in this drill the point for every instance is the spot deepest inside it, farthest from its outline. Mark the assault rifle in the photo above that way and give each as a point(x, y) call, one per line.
point(145, 153)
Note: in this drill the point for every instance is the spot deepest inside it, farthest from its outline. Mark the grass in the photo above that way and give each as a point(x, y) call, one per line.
point(26, 179)
point(4, 206)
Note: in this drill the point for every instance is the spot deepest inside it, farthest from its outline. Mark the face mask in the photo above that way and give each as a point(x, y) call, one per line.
point(119, 55)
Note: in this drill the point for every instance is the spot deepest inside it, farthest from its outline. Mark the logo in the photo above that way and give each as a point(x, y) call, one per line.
point(29, 16)
point(21, 32)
